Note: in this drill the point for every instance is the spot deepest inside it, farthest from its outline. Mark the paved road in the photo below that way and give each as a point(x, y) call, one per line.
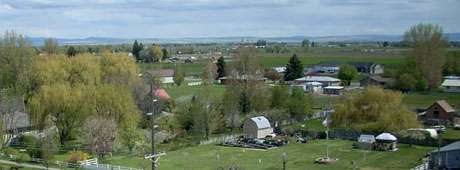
point(25, 165)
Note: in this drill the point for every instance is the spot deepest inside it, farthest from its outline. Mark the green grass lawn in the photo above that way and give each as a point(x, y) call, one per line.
point(452, 134)
point(306, 61)
point(425, 99)
point(178, 92)
point(299, 156)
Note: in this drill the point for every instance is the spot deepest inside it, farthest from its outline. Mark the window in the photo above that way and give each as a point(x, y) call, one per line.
point(436, 114)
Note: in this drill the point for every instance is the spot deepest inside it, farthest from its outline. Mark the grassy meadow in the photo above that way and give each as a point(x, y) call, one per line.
point(299, 156)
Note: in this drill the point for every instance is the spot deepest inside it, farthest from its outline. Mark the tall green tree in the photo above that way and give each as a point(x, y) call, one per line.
point(347, 73)
point(15, 60)
point(294, 69)
point(299, 105)
point(179, 75)
point(305, 43)
point(71, 52)
point(429, 48)
point(375, 110)
point(50, 46)
point(137, 48)
point(220, 67)
point(165, 53)
point(68, 90)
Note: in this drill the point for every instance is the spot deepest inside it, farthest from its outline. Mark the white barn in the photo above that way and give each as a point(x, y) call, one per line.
point(257, 127)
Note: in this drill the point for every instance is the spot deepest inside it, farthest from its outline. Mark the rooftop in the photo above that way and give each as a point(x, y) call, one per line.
point(451, 82)
point(261, 122)
point(318, 79)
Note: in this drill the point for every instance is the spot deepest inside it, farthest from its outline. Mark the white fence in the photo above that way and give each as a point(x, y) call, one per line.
point(94, 165)
point(423, 166)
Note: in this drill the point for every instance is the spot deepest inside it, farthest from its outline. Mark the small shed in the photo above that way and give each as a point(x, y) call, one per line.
point(386, 142)
point(333, 90)
point(257, 127)
point(366, 142)
point(447, 157)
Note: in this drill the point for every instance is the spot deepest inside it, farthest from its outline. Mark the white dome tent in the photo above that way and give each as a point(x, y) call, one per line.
point(386, 142)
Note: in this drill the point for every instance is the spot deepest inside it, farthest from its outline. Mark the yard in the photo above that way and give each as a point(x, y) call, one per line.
point(425, 99)
point(299, 156)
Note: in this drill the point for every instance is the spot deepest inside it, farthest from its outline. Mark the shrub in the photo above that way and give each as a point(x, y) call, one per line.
point(23, 157)
point(77, 156)
point(10, 152)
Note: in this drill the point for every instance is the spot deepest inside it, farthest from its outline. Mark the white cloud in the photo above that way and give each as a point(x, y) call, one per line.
point(204, 18)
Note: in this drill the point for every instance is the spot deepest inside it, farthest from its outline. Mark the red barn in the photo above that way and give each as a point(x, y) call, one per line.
point(439, 112)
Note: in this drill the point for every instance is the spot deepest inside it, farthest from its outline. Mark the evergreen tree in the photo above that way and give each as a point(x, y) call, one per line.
point(245, 105)
point(71, 51)
point(305, 43)
point(294, 69)
point(220, 67)
point(178, 75)
point(165, 53)
point(136, 50)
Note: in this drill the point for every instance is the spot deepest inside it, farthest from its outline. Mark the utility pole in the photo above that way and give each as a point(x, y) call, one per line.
point(152, 91)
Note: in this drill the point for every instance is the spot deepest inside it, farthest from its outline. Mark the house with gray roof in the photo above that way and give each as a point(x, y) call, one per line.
point(447, 157)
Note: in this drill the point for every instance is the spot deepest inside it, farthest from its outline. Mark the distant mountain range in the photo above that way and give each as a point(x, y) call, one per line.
point(38, 41)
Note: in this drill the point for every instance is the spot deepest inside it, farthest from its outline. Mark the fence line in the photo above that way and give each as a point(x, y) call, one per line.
point(219, 139)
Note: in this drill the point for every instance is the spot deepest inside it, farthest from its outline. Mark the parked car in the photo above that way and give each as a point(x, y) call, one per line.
point(439, 128)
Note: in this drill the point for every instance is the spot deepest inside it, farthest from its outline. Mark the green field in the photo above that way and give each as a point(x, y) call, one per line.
point(299, 156)
point(425, 99)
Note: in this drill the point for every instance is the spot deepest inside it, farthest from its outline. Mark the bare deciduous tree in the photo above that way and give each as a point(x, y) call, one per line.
point(100, 133)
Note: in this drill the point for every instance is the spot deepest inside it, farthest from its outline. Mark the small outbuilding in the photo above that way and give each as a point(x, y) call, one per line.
point(257, 127)
point(447, 157)
point(366, 142)
point(386, 142)
point(333, 90)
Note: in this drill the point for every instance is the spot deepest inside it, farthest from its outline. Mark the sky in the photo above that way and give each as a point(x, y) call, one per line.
point(222, 18)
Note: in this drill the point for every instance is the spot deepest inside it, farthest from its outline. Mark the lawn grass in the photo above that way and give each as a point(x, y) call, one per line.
point(451, 134)
point(299, 156)
point(425, 99)
point(179, 92)
point(308, 61)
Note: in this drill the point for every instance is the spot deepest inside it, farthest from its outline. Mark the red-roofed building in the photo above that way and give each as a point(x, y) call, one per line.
point(162, 94)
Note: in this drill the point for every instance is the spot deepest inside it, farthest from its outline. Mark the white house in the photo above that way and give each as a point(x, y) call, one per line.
point(257, 127)
point(324, 80)
point(451, 85)
point(166, 76)
point(279, 69)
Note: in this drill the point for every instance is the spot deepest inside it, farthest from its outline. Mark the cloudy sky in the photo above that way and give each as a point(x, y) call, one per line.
point(217, 18)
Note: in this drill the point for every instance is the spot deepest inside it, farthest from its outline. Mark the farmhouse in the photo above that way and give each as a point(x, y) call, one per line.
point(324, 80)
point(165, 75)
point(377, 80)
point(329, 67)
point(451, 85)
point(333, 90)
point(439, 112)
point(447, 157)
point(243, 78)
point(257, 127)
point(368, 67)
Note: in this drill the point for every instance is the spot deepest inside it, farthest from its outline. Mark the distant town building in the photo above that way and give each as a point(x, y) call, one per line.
point(257, 127)
point(279, 69)
point(377, 80)
point(165, 75)
point(333, 90)
point(368, 67)
point(451, 85)
point(324, 80)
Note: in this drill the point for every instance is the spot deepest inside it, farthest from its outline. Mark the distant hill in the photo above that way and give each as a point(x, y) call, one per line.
point(38, 41)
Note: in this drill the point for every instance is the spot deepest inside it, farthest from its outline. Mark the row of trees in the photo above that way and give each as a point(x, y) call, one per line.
point(154, 53)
